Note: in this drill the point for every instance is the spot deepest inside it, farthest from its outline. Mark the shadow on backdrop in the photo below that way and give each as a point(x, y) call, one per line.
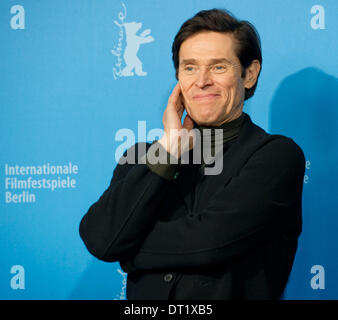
point(305, 108)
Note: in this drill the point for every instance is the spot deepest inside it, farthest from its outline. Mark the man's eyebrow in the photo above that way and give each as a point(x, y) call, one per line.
point(211, 61)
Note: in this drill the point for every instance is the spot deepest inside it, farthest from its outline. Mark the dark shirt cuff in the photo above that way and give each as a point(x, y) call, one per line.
point(167, 165)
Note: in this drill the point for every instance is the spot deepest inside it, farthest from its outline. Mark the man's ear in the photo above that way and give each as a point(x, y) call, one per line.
point(251, 74)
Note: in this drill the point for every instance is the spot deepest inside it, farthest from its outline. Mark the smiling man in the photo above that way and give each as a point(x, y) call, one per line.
point(210, 77)
point(180, 233)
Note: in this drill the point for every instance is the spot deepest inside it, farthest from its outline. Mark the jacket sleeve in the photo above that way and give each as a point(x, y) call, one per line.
point(263, 200)
point(117, 223)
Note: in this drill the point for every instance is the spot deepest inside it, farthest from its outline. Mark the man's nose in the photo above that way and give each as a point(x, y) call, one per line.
point(203, 78)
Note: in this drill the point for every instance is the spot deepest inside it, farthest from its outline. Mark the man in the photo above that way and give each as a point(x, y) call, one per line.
point(180, 233)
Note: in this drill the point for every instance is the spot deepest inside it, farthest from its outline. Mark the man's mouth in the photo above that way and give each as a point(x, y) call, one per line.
point(205, 97)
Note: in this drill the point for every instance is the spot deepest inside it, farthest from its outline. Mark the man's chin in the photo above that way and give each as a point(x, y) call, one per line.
point(205, 123)
point(206, 119)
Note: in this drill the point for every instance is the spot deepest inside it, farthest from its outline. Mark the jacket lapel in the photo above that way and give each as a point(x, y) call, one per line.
point(249, 139)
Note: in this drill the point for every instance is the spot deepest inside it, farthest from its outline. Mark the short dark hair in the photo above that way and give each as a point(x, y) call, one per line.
point(218, 20)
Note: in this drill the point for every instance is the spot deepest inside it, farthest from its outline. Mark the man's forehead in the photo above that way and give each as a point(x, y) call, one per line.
point(221, 38)
point(208, 45)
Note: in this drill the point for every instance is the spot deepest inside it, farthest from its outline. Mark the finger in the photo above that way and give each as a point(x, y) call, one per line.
point(188, 123)
point(180, 107)
point(175, 95)
point(180, 112)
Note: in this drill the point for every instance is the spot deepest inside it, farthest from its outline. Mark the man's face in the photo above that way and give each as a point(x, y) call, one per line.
point(209, 75)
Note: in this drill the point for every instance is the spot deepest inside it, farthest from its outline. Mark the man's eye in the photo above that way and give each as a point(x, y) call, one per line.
point(189, 68)
point(219, 68)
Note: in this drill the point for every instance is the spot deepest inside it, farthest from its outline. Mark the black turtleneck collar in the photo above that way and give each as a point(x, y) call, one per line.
point(233, 123)
point(230, 130)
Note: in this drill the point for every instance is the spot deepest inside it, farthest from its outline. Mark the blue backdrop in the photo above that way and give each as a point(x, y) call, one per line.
point(76, 72)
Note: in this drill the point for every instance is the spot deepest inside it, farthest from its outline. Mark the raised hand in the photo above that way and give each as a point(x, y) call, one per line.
point(177, 137)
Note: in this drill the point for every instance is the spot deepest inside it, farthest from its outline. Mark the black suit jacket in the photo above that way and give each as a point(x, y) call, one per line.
point(229, 236)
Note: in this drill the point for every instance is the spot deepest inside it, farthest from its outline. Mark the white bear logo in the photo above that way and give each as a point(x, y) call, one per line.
point(133, 45)
point(133, 42)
